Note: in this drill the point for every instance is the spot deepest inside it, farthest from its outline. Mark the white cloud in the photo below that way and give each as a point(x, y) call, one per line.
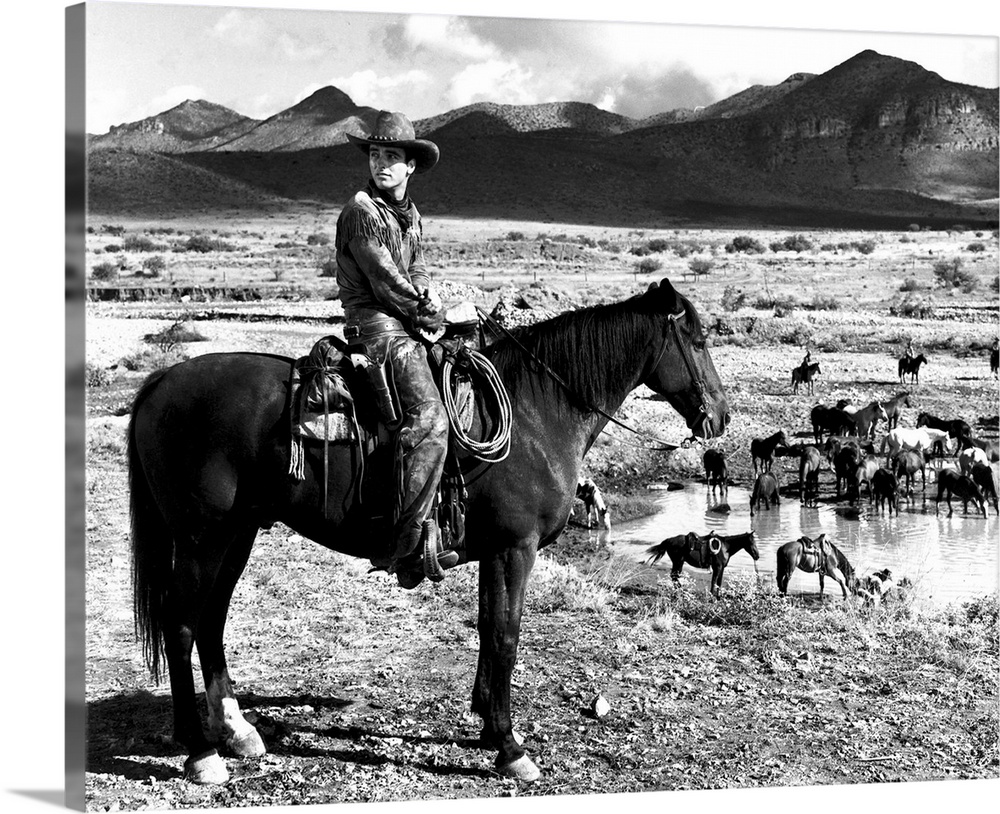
point(236, 27)
point(381, 91)
point(493, 80)
point(446, 36)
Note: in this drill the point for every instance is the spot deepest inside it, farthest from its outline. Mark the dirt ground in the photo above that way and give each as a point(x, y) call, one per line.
point(361, 690)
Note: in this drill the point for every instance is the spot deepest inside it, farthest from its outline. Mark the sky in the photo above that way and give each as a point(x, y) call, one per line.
point(143, 59)
point(34, 68)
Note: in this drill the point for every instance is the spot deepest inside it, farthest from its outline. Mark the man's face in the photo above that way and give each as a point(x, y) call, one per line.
point(390, 169)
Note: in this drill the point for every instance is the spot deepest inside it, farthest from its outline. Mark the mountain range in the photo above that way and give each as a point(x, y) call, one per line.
point(875, 141)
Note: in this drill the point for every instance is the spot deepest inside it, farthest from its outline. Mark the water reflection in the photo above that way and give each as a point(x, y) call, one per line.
point(948, 558)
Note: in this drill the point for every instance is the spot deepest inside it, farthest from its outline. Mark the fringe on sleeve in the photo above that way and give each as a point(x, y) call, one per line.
point(356, 221)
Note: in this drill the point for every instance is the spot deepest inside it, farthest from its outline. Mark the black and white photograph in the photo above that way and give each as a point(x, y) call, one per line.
point(529, 404)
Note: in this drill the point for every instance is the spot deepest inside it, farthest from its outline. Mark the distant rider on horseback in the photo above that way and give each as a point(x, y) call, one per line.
point(388, 301)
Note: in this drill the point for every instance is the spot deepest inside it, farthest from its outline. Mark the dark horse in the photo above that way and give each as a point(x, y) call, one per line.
point(832, 420)
point(894, 408)
point(911, 367)
point(716, 471)
point(810, 464)
point(209, 449)
point(710, 551)
point(963, 487)
point(818, 555)
point(762, 449)
point(804, 374)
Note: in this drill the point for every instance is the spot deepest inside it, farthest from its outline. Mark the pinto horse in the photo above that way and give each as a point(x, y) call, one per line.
point(911, 367)
point(817, 555)
point(209, 451)
point(804, 374)
point(709, 551)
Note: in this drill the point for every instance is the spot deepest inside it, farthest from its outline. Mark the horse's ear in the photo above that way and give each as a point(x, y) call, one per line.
point(665, 294)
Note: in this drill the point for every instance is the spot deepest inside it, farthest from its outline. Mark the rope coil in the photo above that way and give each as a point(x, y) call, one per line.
point(497, 447)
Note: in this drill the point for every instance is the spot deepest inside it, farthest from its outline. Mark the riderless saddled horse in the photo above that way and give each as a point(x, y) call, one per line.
point(209, 453)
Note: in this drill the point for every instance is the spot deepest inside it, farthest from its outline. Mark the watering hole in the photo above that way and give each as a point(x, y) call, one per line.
point(949, 559)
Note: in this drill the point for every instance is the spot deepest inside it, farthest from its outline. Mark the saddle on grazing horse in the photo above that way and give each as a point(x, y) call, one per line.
point(340, 395)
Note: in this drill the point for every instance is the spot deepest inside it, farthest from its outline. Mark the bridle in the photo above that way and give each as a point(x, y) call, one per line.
point(699, 383)
point(672, 320)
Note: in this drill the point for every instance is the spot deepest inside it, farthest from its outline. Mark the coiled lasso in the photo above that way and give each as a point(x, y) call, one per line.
point(490, 450)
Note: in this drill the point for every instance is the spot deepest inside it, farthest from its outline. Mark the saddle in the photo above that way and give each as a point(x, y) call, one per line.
point(339, 395)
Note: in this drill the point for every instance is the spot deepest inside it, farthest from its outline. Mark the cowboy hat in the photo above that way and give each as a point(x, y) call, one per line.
point(395, 130)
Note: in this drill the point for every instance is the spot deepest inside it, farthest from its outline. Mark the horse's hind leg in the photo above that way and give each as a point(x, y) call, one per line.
point(188, 591)
point(225, 722)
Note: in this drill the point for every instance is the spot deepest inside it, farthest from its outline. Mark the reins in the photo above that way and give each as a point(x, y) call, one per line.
point(666, 446)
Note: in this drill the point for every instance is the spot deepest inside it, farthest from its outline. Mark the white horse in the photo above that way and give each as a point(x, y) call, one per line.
point(593, 503)
point(919, 439)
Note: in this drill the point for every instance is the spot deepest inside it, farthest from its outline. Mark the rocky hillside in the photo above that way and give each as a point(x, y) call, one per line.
point(192, 125)
point(874, 141)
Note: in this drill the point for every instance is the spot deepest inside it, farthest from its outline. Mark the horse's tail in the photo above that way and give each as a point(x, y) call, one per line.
point(152, 547)
point(656, 552)
point(784, 569)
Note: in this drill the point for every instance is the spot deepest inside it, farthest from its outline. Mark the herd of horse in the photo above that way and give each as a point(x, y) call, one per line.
point(844, 439)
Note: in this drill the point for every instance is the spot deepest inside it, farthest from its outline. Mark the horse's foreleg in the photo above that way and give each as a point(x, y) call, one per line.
point(225, 721)
point(502, 581)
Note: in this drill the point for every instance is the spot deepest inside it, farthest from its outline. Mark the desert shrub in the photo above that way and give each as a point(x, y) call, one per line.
point(139, 243)
point(910, 284)
point(610, 246)
point(328, 267)
point(793, 243)
point(905, 239)
point(161, 230)
point(117, 231)
point(113, 248)
point(741, 604)
point(863, 246)
point(827, 302)
point(149, 359)
point(514, 235)
point(318, 239)
point(154, 266)
point(204, 244)
point(648, 265)
point(744, 243)
point(658, 244)
point(733, 299)
point(951, 274)
point(173, 335)
point(913, 306)
point(97, 376)
point(914, 227)
point(642, 250)
point(105, 272)
point(700, 265)
point(587, 241)
point(976, 247)
point(285, 244)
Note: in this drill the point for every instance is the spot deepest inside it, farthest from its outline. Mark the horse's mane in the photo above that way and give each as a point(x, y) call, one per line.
point(587, 348)
point(842, 562)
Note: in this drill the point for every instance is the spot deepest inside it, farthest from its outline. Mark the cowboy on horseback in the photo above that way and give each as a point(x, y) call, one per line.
point(804, 367)
point(908, 350)
point(389, 310)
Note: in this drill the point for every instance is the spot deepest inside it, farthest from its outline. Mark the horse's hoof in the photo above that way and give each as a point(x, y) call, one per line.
point(523, 768)
point(206, 769)
point(249, 744)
